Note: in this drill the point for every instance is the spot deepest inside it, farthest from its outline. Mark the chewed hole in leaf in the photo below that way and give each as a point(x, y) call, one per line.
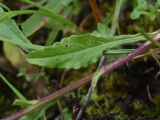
point(67, 45)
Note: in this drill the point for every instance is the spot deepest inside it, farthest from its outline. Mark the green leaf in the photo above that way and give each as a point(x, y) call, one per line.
point(14, 54)
point(102, 31)
point(135, 14)
point(78, 50)
point(10, 32)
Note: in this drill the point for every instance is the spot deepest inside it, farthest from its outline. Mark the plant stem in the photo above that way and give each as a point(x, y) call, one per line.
point(89, 93)
point(99, 18)
point(105, 70)
point(16, 92)
point(86, 102)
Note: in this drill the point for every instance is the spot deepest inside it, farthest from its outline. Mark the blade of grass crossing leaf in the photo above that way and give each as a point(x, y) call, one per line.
point(21, 44)
point(51, 37)
point(118, 7)
point(30, 6)
point(119, 51)
point(154, 42)
point(58, 26)
point(10, 14)
point(4, 6)
point(53, 14)
point(16, 92)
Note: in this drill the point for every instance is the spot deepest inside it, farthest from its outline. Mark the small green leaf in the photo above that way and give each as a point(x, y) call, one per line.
point(142, 5)
point(37, 114)
point(102, 31)
point(24, 103)
point(135, 14)
point(14, 54)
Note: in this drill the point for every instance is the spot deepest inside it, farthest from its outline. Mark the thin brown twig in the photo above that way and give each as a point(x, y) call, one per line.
point(63, 76)
point(84, 21)
point(149, 53)
point(44, 117)
point(156, 59)
point(60, 109)
point(96, 11)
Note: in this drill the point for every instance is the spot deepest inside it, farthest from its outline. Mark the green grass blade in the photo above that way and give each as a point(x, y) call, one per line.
point(95, 78)
point(119, 51)
point(16, 92)
point(4, 6)
point(10, 14)
point(154, 42)
point(36, 21)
